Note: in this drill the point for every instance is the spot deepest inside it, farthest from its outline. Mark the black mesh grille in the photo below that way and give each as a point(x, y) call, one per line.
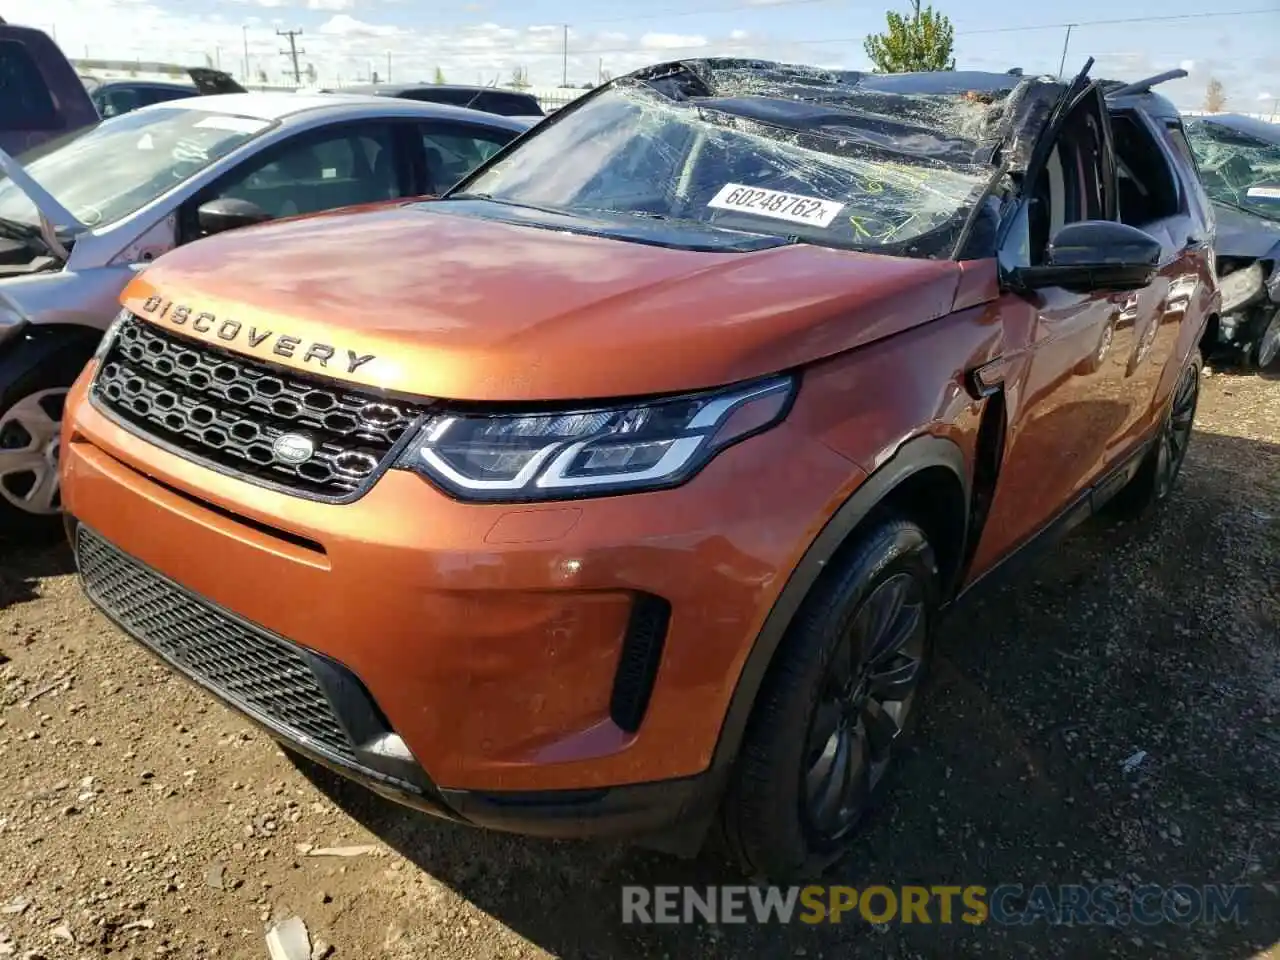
point(228, 411)
point(254, 671)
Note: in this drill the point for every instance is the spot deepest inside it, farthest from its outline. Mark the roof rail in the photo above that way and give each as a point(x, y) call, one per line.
point(1144, 86)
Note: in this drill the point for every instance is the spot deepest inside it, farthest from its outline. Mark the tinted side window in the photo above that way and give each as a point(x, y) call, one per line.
point(507, 105)
point(163, 94)
point(457, 98)
point(25, 103)
point(350, 167)
point(453, 152)
point(117, 100)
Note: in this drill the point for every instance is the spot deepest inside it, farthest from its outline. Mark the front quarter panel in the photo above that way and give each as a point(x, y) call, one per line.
point(910, 384)
point(87, 298)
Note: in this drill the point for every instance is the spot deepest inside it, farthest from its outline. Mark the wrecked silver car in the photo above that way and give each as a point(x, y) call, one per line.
point(80, 215)
point(1239, 160)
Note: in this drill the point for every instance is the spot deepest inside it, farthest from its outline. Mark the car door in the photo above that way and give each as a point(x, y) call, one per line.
point(450, 151)
point(1179, 221)
point(313, 171)
point(1064, 370)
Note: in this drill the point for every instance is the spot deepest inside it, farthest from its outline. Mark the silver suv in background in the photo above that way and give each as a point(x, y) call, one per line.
point(81, 214)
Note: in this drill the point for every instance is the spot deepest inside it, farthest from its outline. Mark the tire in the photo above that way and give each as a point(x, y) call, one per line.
point(770, 816)
point(1158, 474)
point(1265, 354)
point(32, 394)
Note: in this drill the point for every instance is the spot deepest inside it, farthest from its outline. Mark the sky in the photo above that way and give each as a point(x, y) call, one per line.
point(474, 41)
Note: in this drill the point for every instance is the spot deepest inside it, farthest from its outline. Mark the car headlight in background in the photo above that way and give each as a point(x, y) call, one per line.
point(626, 447)
point(1240, 287)
point(109, 337)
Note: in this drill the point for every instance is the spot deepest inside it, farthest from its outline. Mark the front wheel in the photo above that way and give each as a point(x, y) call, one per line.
point(31, 403)
point(841, 690)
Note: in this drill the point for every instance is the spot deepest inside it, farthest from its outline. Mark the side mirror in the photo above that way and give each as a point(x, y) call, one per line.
point(1095, 255)
point(228, 213)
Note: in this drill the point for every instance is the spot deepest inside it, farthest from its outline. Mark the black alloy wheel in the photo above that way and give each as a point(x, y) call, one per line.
point(828, 721)
point(866, 698)
point(1175, 433)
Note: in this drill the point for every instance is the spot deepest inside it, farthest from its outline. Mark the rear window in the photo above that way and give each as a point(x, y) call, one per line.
point(25, 103)
point(508, 105)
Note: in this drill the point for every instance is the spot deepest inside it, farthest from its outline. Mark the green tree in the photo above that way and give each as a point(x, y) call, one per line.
point(440, 76)
point(923, 41)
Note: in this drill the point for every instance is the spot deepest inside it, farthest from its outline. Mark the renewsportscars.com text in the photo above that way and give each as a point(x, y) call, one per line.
point(1004, 904)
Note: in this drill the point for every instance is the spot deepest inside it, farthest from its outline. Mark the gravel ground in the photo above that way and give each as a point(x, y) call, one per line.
point(140, 819)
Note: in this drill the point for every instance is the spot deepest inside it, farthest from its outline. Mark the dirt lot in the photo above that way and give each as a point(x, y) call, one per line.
point(138, 818)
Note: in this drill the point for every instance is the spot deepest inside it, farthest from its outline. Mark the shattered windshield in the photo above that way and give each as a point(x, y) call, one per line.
point(1237, 168)
point(800, 171)
point(106, 172)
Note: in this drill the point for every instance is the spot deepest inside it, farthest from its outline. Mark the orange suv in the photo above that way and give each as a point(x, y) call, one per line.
point(620, 489)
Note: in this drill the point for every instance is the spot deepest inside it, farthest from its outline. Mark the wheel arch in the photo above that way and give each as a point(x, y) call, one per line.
point(34, 343)
point(925, 481)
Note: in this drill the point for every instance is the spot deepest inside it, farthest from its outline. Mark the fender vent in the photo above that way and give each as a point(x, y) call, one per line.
point(638, 663)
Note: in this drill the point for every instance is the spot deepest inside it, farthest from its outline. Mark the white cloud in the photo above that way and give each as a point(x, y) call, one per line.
point(344, 25)
point(346, 48)
point(672, 41)
point(1187, 65)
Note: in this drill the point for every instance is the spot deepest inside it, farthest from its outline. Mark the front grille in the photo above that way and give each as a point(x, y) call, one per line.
point(256, 672)
point(228, 411)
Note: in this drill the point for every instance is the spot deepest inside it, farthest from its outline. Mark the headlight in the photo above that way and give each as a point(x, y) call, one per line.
point(569, 454)
point(108, 338)
point(1240, 287)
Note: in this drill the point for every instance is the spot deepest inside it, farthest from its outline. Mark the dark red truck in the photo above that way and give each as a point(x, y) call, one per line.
point(41, 97)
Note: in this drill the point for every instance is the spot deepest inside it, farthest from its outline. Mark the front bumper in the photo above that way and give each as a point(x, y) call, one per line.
point(534, 658)
point(322, 711)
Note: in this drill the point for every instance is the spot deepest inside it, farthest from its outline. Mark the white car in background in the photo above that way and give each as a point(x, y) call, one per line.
point(81, 214)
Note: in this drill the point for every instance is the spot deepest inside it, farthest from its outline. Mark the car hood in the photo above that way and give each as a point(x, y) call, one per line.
point(418, 301)
point(1241, 234)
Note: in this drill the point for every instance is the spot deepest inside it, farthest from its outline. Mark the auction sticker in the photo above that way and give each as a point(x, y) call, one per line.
point(1271, 193)
point(776, 204)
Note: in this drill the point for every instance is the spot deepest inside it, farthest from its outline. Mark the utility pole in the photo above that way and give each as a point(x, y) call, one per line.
point(564, 82)
point(1066, 41)
point(293, 52)
point(244, 30)
point(388, 66)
